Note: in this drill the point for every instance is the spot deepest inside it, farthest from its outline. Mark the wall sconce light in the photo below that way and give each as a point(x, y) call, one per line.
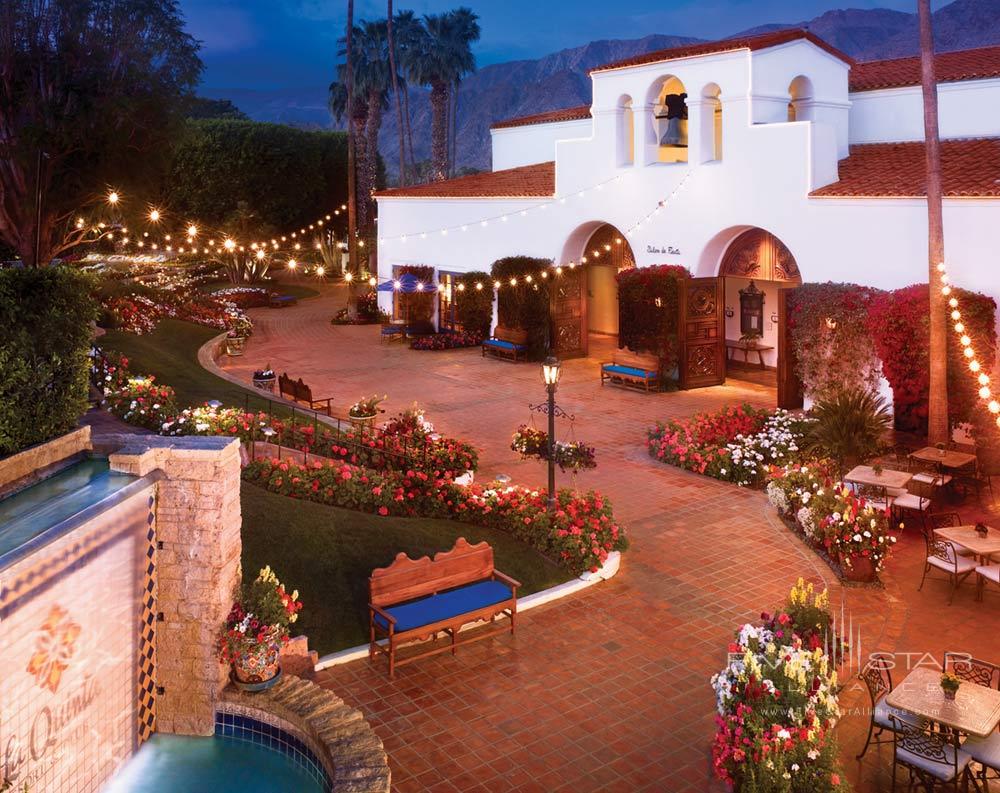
point(774, 319)
point(729, 312)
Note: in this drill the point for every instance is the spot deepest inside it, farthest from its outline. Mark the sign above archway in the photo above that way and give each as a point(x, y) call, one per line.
point(759, 254)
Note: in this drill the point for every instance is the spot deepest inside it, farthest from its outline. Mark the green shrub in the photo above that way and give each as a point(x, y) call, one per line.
point(475, 306)
point(851, 427)
point(525, 305)
point(45, 334)
point(648, 311)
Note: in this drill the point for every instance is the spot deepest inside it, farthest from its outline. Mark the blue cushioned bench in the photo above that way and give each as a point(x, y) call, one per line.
point(280, 301)
point(509, 343)
point(414, 599)
point(392, 331)
point(632, 370)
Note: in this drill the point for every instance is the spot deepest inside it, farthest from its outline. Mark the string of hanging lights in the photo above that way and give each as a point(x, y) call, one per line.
point(503, 217)
point(990, 401)
point(553, 270)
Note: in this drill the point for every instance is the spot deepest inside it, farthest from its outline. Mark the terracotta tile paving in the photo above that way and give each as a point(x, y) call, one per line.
point(606, 690)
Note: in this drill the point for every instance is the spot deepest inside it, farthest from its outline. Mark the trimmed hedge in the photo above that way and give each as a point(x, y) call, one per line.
point(648, 309)
point(526, 305)
point(475, 306)
point(45, 335)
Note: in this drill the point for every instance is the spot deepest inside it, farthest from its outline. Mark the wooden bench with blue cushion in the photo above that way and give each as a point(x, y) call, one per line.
point(509, 343)
point(416, 599)
point(632, 370)
point(280, 301)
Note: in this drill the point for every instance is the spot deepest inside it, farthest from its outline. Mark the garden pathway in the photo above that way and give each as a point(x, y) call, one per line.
point(606, 690)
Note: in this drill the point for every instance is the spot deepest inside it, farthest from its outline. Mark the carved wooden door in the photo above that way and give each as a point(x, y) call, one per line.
point(701, 332)
point(568, 295)
point(790, 394)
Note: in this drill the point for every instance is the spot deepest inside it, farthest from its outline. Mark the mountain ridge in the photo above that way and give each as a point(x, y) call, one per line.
point(507, 90)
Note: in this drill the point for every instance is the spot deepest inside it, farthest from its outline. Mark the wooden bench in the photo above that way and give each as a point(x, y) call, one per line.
point(280, 301)
point(632, 370)
point(509, 343)
point(415, 599)
point(298, 391)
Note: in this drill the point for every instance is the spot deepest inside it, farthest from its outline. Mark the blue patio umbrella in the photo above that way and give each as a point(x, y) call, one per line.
point(408, 283)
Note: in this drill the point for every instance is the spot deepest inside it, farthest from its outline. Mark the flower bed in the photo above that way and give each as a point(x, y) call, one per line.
point(777, 701)
point(849, 531)
point(579, 535)
point(407, 440)
point(447, 341)
point(735, 444)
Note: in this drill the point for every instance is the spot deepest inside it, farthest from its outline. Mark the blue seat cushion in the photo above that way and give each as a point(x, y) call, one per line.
point(627, 370)
point(445, 604)
point(392, 331)
point(504, 345)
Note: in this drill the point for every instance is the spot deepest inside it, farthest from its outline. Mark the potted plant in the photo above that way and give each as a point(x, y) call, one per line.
point(256, 630)
point(366, 409)
point(950, 685)
point(240, 329)
point(982, 530)
point(265, 378)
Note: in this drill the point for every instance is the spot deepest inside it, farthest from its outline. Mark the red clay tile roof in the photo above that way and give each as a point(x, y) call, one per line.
point(758, 42)
point(976, 64)
point(551, 117)
point(970, 168)
point(527, 181)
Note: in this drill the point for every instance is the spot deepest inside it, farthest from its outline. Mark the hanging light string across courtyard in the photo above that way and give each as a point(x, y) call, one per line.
point(186, 238)
point(554, 269)
point(975, 366)
point(503, 217)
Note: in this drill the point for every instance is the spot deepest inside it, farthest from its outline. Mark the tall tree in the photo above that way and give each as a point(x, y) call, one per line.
point(352, 190)
point(440, 58)
point(390, 24)
point(408, 32)
point(937, 418)
point(91, 91)
point(357, 126)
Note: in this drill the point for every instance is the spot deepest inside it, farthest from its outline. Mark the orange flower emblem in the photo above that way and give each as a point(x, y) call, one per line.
point(53, 648)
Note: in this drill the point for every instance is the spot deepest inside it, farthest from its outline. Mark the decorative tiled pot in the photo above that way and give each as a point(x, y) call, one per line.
point(257, 670)
point(236, 345)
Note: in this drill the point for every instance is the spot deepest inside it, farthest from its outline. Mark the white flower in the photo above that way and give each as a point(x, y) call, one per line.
point(856, 538)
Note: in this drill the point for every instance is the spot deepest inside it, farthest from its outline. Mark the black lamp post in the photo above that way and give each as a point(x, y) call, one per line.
point(550, 373)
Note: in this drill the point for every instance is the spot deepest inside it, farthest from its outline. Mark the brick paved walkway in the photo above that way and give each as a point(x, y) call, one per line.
point(606, 690)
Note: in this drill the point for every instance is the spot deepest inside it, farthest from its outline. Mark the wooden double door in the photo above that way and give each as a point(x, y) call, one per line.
point(568, 314)
point(702, 340)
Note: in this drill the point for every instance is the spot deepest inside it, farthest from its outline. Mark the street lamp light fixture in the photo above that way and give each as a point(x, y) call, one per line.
point(550, 371)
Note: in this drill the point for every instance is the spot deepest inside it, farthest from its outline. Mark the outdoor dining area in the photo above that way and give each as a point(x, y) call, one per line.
point(926, 487)
point(943, 722)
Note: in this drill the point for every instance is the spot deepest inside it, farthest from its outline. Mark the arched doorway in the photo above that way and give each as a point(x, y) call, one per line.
point(757, 269)
point(607, 253)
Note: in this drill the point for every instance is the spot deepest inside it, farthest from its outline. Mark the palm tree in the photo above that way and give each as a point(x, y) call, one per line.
point(408, 32)
point(352, 196)
point(356, 139)
point(395, 92)
point(937, 418)
point(439, 59)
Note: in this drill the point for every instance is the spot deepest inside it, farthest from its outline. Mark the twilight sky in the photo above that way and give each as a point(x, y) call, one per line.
point(279, 45)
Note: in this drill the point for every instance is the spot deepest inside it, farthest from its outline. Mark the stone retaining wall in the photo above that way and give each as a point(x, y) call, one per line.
point(31, 464)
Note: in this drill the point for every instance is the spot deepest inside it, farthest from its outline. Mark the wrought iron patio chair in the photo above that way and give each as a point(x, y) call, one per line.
point(876, 495)
point(933, 758)
point(973, 477)
point(903, 460)
point(877, 677)
point(984, 574)
point(932, 475)
point(941, 555)
point(972, 670)
point(916, 501)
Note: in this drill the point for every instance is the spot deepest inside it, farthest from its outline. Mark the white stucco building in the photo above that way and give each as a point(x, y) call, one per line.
point(796, 164)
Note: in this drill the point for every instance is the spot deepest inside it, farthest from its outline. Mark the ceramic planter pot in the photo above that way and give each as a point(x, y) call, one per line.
point(363, 421)
point(258, 670)
point(949, 693)
point(265, 383)
point(236, 345)
point(860, 569)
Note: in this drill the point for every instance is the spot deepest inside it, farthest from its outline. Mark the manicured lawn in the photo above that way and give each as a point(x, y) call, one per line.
point(171, 354)
point(328, 553)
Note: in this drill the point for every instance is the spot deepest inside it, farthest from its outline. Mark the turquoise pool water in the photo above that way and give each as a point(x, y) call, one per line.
point(179, 764)
point(29, 512)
